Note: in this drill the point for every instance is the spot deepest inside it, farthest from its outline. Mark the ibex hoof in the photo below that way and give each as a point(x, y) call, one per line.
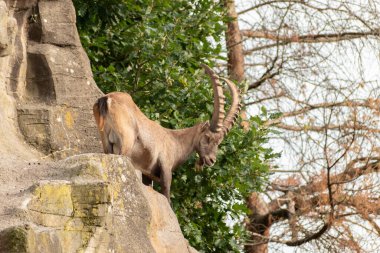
point(198, 167)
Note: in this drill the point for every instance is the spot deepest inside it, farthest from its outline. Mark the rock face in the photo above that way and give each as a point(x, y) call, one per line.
point(84, 203)
point(47, 76)
point(97, 205)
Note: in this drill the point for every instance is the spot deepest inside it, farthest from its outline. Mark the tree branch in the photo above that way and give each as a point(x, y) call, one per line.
point(310, 237)
point(268, 3)
point(315, 128)
point(309, 38)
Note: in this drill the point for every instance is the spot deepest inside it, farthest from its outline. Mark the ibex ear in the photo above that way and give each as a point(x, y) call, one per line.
point(205, 126)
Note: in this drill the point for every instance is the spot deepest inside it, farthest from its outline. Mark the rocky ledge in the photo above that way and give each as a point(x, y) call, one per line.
point(98, 205)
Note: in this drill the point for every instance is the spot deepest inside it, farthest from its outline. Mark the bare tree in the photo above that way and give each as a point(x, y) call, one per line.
point(316, 62)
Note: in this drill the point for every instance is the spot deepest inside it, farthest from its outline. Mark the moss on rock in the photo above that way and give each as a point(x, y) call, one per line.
point(14, 240)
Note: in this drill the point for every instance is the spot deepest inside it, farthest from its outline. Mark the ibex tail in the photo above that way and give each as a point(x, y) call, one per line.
point(100, 111)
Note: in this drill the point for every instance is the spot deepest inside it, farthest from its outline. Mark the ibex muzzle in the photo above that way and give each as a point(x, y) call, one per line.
point(156, 150)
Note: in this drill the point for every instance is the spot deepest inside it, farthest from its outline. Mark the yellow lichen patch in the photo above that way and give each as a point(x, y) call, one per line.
point(69, 120)
point(104, 163)
point(115, 191)
point(48, 220)
point(74, 224)
point(52, 198)
point(121, 205)
point(95, 171)
point(104, 169)
point(86, 236)
point(91, 193)
point(120, 170)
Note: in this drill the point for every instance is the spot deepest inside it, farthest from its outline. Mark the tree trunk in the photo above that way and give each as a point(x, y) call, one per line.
point(235, 62)
point(259, 224)
point(234, 44)
point(260, 219)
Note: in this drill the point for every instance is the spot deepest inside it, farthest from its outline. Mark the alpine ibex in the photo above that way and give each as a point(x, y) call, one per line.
point(156, 150)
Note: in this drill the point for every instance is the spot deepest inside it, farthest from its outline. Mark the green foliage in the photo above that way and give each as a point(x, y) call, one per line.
point(153, 49)
point(209, 203)
point(135, 45)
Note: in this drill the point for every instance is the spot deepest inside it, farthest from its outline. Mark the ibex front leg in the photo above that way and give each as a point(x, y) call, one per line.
point(165, 181)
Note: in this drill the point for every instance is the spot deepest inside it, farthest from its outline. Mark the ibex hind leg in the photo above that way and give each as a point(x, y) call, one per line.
point(147, 181)
point(107, 145)
point(111, 143)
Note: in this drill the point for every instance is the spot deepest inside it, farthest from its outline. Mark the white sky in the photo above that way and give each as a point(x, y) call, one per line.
point(371, 70)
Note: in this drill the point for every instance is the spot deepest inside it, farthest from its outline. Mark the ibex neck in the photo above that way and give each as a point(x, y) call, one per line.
point(186, 140)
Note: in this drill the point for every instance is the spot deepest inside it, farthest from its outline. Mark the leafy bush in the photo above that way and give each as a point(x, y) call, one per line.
point(152, 50)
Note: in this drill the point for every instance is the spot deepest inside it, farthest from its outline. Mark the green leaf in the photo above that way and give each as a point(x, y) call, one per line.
point(153, 50)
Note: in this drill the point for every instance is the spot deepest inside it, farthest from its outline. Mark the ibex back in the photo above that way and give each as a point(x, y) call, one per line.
point(156, 150)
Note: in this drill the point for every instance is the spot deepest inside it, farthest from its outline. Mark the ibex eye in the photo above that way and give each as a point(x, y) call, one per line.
point(117, 118)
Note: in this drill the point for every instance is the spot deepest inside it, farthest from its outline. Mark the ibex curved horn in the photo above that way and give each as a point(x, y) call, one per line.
point(125, 130)
point(233, 113)
point(218, 114)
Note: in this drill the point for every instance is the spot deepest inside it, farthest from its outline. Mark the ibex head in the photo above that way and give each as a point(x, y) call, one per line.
point(212, 133)
point(156, 150)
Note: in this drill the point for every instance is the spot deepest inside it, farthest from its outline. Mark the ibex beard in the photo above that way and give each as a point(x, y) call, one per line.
point(155, 150)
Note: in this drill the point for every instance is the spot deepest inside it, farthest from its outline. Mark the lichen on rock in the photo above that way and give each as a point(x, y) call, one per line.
point(83, 203)
point(99, 205)
point(14, 240)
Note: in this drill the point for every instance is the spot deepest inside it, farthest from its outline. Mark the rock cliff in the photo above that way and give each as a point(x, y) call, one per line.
point(90, 203)
point(46, 76)
point(83, 202)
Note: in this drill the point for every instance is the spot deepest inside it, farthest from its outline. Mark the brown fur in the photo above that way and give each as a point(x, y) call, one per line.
point(156, 150)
